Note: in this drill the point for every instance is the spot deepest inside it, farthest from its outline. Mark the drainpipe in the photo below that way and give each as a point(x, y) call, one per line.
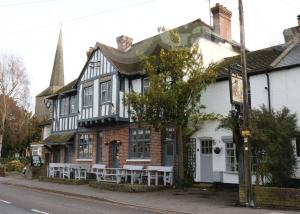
point(269, 93)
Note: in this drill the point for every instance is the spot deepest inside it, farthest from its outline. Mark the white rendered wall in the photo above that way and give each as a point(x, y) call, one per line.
point(214, 52)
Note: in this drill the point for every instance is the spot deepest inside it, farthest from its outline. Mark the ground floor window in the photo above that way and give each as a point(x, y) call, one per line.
point(139, 143)
point(85, 146)
point(231, 163)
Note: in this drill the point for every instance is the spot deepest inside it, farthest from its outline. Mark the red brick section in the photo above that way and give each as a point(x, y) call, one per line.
point(222, 21)
point(118, 133)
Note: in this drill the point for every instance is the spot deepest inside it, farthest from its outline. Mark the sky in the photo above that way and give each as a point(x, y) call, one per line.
point(30, 28)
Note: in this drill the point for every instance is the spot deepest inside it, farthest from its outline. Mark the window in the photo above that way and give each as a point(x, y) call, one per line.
point(64, 106)
point(139, 143)
point(88, 96)
point(85, 146)
point(122, 84)
point(106, 92)
point(206, 146)
point(146, 84)
point(230, 155)
point(298, 146)
point(73, 106)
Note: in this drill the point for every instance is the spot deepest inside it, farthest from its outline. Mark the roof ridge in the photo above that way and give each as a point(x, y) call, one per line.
point(283, 54)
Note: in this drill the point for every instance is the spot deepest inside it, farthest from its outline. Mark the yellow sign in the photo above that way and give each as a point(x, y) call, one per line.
point(245, 133)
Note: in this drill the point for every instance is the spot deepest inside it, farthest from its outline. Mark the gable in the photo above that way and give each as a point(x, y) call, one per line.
point(97, 65)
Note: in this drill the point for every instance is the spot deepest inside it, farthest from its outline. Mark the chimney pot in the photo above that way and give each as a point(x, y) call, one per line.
point(89, 52)
point(222, 21)
point(124, 43)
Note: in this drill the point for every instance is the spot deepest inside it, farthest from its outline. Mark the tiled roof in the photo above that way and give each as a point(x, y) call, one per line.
point(66, 89)
point(49, 91)
point(129, 62)
point(258, 60)
point(292, 58)
point(60, 138)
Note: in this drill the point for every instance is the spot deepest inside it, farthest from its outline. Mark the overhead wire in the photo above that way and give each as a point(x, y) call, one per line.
point(78, 18)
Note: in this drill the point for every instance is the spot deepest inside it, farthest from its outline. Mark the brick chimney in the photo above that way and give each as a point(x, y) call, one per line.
point(89, 52)
point(124, 43)
point(222, 21)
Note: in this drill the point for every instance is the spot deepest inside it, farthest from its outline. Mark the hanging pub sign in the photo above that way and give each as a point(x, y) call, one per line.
point(235, 84)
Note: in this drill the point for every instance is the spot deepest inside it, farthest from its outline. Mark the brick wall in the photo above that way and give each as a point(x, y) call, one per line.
point(118, 133)
point(273, 197)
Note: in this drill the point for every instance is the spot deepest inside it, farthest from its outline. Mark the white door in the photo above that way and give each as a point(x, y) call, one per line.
point(206, 164)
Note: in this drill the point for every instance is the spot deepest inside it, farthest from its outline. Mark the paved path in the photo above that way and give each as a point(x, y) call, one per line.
point(200, 201)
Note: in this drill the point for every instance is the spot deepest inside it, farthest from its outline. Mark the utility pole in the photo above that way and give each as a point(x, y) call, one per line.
point(245, 132)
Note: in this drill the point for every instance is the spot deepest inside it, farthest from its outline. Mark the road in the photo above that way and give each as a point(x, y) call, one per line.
point(17, 200)
point(20, 200)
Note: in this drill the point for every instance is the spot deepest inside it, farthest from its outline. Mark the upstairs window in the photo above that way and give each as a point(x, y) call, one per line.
point(88, 96)
point(146, 84)
point(64, 106)
point(106, 92)
point(73, 105)
point(139, 144)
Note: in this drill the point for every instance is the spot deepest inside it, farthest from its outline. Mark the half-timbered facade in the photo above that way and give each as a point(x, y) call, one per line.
point(91, 122)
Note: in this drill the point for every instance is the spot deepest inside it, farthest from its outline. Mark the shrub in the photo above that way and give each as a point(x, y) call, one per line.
point(15, 165)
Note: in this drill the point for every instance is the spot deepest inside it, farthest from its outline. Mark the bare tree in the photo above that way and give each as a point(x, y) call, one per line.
point(13, 85)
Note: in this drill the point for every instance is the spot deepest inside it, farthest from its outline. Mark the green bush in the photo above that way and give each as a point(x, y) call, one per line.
point(15, 165)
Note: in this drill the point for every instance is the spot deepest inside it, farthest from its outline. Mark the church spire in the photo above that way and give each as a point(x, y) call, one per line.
point(57, 77)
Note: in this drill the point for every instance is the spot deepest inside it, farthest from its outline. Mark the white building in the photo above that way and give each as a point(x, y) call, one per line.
point(274, 76)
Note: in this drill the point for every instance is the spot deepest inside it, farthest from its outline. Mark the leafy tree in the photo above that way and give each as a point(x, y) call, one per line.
point(177, 79)
point(273, 132)
point(18, 127)
point(13, 86)
point(271, 138)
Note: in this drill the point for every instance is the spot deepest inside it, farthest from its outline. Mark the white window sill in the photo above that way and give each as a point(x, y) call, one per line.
point(138, 160)
point(231, 172)
point(84, 159)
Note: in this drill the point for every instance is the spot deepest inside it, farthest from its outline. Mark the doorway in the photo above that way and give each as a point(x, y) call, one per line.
point(169, 147)
point(206, 163)
point(56, 154)
point(115, 154)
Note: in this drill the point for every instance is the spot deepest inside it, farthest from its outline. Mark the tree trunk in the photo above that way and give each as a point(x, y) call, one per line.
point(180, 148)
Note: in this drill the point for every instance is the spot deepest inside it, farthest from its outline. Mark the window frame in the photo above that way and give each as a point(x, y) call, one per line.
point(64, 106)
point(84, 100)
point(74, 98)
point(144, 89)
point(107, 97)
point(230, 160)
point(85, 140)
point(142, 143)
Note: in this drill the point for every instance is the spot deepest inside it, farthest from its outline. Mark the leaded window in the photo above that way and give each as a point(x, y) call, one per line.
point(139, 143)
point(64, 106)
point(230, 155)
point(106, 92)
point(73, 105)
point(85, 146)
point(88, 96)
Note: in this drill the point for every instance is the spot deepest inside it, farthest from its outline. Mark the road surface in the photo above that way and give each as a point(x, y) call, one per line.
point(20, 200)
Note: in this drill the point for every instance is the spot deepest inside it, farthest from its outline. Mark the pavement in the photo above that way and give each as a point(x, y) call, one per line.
point(169, 201)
